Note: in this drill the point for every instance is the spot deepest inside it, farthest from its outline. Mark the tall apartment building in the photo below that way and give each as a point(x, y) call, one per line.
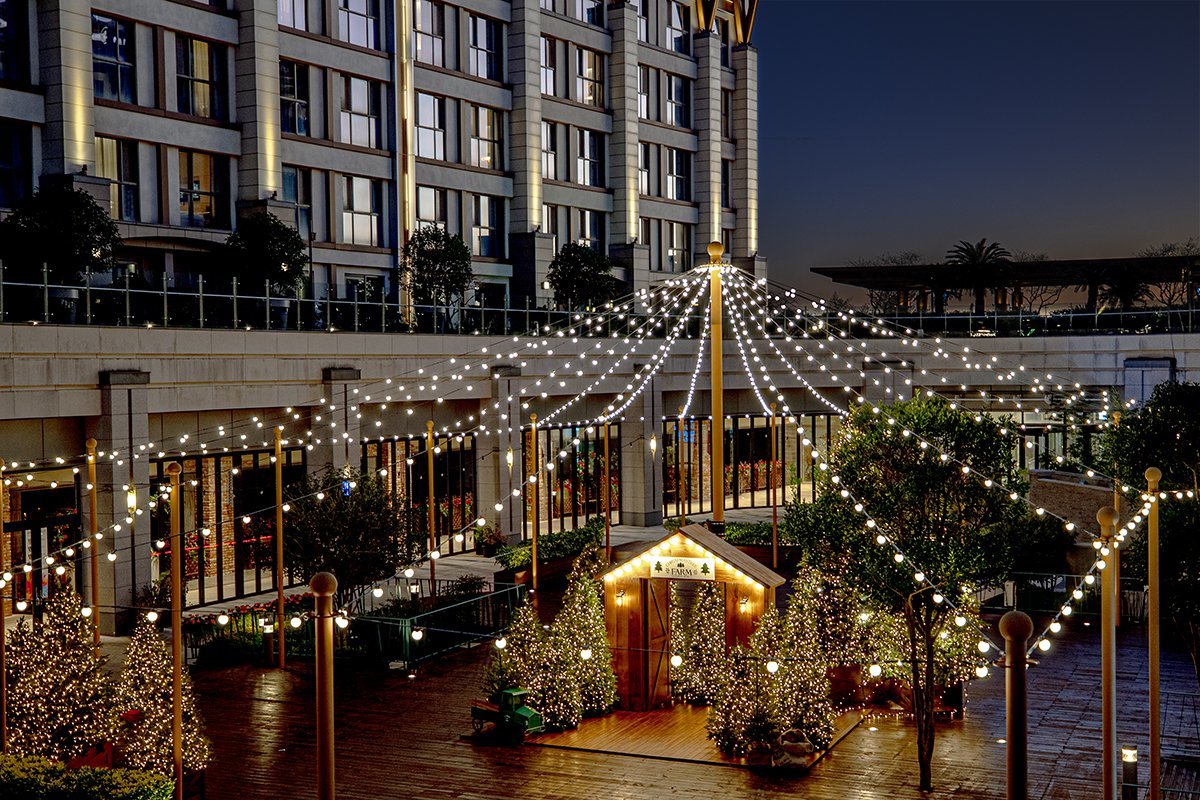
point(520, 125)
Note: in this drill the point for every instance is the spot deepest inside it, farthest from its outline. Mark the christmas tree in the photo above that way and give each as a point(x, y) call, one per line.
point(143, 700)
point(530, 661)
point(579, 630)
point(740, 718)
point(698, 637)
point(800, 687)
point(58, 692)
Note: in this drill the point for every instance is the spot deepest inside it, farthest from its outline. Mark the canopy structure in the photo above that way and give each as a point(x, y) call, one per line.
point(637, 605)
point(1007, 279)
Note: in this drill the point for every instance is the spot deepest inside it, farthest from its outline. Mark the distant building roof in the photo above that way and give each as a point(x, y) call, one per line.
point(1063, 272)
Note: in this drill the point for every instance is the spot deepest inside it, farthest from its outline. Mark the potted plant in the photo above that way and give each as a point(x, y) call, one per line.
point(488, 540)
point(267, 252)
point(56, 237)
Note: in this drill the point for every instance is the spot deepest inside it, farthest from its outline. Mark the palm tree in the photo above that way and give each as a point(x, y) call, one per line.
point(972, 255)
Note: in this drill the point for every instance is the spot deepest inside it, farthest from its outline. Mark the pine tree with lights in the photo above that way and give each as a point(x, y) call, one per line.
point(58, 692)
point(801, 686)
point(531, 661)
point(698, 637)
point(740, 719)
point(143, 704)
point(579, 629)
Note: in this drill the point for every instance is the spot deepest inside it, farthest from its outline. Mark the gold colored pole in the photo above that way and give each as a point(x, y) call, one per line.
point(432, 510)
point(772, 479)
point(717, 437)
point(534, 434)
point(3, 630)
point(1108, 659)
point(279, 546)
point(173, 469)
point(607, 499)
point(1116, 553)
point(1015, 627)
point(93, 527)
point(1153, 476)
point(679, 496)
point(323, 586)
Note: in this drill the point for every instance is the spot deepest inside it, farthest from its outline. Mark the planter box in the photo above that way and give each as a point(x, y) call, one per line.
point(555, 570)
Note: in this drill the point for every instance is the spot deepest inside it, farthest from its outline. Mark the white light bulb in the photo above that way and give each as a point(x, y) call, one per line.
point(676, 660)
point(772, 667)
point(984, 646)
point(86, 611)
point(1055, 626)
point(377, 592)
point(418, 635)
point(585, 654)
point(152, 616)
point(222, 619)
point(875, 670)
point(408, 573)
point(501, 643)
point(296, 622)
point(981, 671)
point(960, 620)
point(1044, 645)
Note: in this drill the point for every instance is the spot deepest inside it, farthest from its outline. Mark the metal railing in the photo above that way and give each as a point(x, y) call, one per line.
point(1038, 592)
point(99, 301)
point(1057, 323)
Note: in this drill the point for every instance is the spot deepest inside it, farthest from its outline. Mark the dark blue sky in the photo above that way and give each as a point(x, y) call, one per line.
point(1071, 128)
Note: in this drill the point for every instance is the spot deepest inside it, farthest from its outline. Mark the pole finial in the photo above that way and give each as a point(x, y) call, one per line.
point(323, 584)
point(715, 251)
point(1153, 476)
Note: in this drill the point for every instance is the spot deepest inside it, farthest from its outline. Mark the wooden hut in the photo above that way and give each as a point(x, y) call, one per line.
point(637, 605)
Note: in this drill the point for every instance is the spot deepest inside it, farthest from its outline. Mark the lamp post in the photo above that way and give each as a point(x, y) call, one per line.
point(93, 527)
point(432, 514)
point(679, 496)
point(279, 544)
point(771, 479)
point(717, 437)
point(1015, 627)
point(323, 586)
point(1108, 657)
point(173, 469)
point(5, 577)
point(604, 493)
point(1153, 476)
point(534, 455)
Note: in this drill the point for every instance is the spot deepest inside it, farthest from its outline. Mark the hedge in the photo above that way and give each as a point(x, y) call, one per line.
point(552, 546)
point(36, 778)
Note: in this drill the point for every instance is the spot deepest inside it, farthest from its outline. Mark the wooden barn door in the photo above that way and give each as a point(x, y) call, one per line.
point(658, 642)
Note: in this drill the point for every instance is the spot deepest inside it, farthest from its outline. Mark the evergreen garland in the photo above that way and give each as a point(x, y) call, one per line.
point(143, 702)
point(59, 697)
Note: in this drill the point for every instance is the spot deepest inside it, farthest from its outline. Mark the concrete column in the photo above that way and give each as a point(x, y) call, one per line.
point(623, 149)
point(123, 424)
point(65, 65)
point(745, 165)
point(641, 487)
point(525, 120)
point(256, 84)
point(706, 167)
point(336, 450)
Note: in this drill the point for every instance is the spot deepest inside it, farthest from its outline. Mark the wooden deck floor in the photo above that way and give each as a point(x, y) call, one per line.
point(402, 738)
point(676, 733)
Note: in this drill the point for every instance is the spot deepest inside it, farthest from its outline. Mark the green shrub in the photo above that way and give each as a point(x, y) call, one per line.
point(552, 546)
point(748, 533)
point(34, 778)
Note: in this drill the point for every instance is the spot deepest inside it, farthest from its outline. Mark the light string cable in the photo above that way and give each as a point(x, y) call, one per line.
point(1042, 642)
point(871, 525)
point(658, 311)
point(86, 542)
point(613, 311)
point(691, 393)
point(987, 481)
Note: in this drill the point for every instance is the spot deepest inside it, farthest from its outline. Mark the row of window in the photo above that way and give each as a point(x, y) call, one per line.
point(358, 21)
point(201, 83)
point(361, 106)
point(484, 40)
point(589, 73)
point(486, 129)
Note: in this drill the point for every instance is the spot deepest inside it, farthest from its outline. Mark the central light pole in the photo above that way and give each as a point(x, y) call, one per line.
point(173, 469)
point(717, 435)
point(1108, 656)
point(279, 545)
point(432, 510)
point(1153, 476)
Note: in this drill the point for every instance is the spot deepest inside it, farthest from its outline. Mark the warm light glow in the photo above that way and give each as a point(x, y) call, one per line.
point(875, 670)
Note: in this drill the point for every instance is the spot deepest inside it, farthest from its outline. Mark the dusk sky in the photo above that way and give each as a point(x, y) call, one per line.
point(1070, 128)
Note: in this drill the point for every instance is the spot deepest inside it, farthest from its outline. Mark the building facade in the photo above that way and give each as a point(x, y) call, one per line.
point(629, 126)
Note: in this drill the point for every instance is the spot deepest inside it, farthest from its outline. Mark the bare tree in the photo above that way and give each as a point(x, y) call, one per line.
point(1172, 293)
point(1036, 298)
point(887, 301)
